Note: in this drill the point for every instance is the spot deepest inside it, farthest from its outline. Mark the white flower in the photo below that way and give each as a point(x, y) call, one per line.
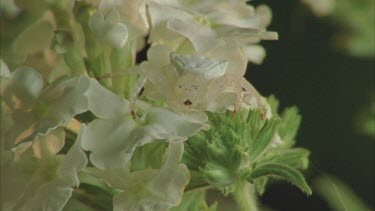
point(209, 25)
point(33, 109)
point(150, 189)
point(113, 137)
point(108, 29)
point(36, 178)
point(116, 21)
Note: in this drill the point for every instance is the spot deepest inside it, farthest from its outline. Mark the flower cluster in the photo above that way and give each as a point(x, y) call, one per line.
point(78, 107)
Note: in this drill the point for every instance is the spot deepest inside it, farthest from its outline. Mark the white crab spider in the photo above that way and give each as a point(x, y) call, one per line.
point(187, 82)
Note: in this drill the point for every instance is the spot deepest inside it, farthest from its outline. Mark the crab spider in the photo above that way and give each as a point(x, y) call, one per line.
point(187, 82)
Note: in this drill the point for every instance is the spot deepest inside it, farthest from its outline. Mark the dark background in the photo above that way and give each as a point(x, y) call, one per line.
point(329, 87)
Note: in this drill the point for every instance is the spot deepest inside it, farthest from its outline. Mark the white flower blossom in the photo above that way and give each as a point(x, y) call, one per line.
point(36, 110)
point(113, 137)
point(34, 177)
point(209, 25)
point(116, 22)
point(150, 189)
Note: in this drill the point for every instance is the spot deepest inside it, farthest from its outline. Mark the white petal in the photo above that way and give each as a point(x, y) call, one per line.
point(46, 146)
point(113, 141)
point(23, 88)
point(4, 70)
point(202, 37)
point(255, 53)
point(149, 189)
point(161, 13)
point(237, 61)
point(104, 103)
point(110, 141)
point(74, 161)
point(60, 102)
point(50, 196)
point(109, 29)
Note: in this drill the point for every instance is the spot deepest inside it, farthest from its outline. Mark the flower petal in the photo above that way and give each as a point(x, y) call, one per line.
point(4, 70)
point(109, 29)
point(110, 141)
point(149, 189)
point(113, 141)
point(73, 162)
point(31, 183)
point(60, 102)
point(255, 53)
point(202, 37)
point(104, 103)
point(22, 89)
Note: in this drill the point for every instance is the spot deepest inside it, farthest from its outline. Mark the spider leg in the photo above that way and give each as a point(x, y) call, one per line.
point(239, 98)
point(248, 88)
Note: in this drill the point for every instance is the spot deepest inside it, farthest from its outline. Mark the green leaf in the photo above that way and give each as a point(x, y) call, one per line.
point(274, 104)
point(289, 125)
point(260, 185)
point(263, 138)
point(338, 195)
point(286, 172)
point(253, 119)
point(194, 202)
point(296, 158)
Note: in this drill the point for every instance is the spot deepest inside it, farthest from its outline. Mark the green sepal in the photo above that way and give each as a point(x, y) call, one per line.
point(288, 173)
point(264, 138)
point(260, 185)
point(274, 104)
point(289, 125)
point(254, 121)
point(297, 157)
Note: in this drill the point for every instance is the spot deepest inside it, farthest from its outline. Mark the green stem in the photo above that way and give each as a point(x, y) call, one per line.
point(121, 60)
point(198, 188)
point(245, 197)
point(72, 57)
